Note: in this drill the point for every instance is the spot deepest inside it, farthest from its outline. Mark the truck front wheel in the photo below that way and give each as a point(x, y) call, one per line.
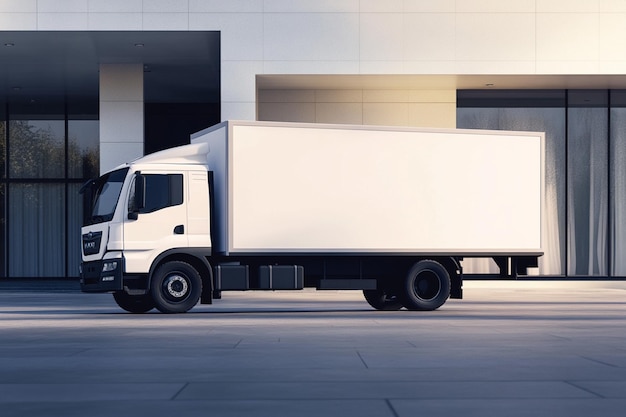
point(426, 287)
point(134, 303)
point(176, 287)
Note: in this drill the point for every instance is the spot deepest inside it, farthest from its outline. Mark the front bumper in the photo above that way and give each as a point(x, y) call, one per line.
point(94, 279)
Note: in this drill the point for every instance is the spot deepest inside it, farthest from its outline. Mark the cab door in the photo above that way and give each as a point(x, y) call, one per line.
point(156, 220)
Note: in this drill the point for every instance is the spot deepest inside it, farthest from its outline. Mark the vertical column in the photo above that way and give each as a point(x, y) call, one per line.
point(121, 114)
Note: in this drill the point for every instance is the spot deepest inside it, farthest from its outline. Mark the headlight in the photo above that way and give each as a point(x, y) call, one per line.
point(109, 266)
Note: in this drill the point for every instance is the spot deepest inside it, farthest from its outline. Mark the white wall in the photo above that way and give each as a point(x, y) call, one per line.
point(423, 108)
point(361, 36)
point(121, 114)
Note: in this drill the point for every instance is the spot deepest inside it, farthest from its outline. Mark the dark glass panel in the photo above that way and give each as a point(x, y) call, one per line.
point(3, 141)
point(37, 148)
point(83, 149)
point(587, 183)
point(3, 237)
point(617, 183)
point(74, 222)
point(36, 230)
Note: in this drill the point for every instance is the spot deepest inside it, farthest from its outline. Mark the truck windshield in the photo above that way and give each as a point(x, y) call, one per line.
point(106, 192)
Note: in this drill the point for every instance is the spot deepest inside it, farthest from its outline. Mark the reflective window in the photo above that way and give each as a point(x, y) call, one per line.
point(83, 148)
point(36, 148)
point(3, 142)
point(161, 191)
point(587, 182)
point(617, 184)
point(3, 237)
point(37, 232)
point(44, 160)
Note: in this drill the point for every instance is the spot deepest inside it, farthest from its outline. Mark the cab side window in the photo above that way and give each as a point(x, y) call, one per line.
point(162, 190)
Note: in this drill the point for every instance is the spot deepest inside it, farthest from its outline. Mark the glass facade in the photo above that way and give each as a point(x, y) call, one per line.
point(584, 230)
point(47, 152)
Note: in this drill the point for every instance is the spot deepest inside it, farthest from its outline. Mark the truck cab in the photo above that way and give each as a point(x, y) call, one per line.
point(138, 218)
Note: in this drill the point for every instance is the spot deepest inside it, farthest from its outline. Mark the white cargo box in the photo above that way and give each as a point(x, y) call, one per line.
point(309, 188)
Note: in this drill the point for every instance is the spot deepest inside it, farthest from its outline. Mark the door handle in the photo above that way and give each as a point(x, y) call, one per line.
point(179, 230)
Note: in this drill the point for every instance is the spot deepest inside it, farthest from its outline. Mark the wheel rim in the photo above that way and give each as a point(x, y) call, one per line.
point(427, 285)
point(175, 287)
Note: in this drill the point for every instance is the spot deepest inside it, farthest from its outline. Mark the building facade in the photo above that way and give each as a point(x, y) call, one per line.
point(88, 84)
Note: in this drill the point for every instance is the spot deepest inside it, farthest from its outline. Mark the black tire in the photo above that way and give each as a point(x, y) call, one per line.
point(176, 287)
point(134, 303)
point(426, 287)
point(382, 300)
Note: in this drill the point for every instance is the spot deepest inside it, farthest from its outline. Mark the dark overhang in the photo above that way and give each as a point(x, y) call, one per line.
point(179, 67)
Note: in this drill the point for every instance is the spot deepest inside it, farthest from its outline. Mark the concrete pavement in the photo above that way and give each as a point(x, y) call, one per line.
point(508, 349)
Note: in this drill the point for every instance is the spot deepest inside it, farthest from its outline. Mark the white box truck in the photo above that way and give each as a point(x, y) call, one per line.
point(284, 206)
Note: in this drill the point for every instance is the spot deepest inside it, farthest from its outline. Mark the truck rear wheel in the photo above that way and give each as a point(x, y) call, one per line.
point(176, 287)
point(134, 303)
point(382, 300)
point(426, 287)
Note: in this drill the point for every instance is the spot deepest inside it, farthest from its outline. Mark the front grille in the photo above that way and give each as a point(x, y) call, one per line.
point(91, 243)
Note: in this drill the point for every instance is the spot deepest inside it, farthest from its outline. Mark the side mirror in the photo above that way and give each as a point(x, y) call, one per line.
point(137, 197)
point(87, 192)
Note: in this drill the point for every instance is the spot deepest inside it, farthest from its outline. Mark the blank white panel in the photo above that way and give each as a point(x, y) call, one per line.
point(114, 154)
point(287, 112)
point(343, 113)
point(568, 6)
point(62, 21)
point(432, 114)
point(312, 67)
point(165, 6)
point(429, 6)
point(568, 67)
point(497, 6)
point(311, 36)
point(338, 96)
point(495, 36)
point(331, 189)
point(432, 96)
point(612, 6)
point(238, 110)
point(612, 67)
point(286, 96)
point(121, 121)
point(115, 21)
point(241, 34)
point(59, 6)
point(381, 36)
point(612, 36)
point(18, 6)
point(221, 6)
point(567, 36)
point(165, 21)
point(429, 36)
point(238, 80)
point(18, 21)
point(496, 67)
point(311, 6)
point(116, 6)
point(386, 114)
point(377, 6)
point(382, 67)
point(385, 96)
